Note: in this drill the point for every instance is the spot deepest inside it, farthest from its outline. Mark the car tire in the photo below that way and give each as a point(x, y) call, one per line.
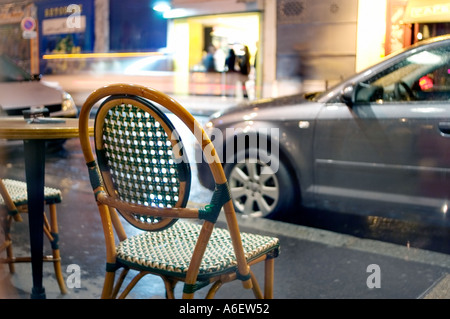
point(260, 185)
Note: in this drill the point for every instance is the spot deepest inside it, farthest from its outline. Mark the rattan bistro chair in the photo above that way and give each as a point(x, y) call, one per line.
point(141, 172)
point(13, 202)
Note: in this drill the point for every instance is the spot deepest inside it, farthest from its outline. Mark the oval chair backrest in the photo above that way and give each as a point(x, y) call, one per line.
point(141, 158)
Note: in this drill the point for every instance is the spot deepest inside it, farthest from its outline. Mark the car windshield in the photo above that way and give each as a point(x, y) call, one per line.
point(10, 72)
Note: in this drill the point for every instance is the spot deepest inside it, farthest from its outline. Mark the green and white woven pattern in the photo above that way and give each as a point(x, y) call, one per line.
point(170, 251)
point(18, 193)
point(140, 156)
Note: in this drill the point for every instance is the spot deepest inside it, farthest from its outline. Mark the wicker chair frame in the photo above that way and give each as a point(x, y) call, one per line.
point(139, 170)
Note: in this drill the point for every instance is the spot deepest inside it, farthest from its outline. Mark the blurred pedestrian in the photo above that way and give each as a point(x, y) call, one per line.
point(244, 69)
point(244, 61)
point(209, 61)
point(230, 61)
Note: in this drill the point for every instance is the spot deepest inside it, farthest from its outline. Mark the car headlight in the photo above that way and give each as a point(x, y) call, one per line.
point(209, 128)
point(68, 104)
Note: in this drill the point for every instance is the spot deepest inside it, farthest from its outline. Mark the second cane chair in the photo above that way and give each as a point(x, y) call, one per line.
point(139, 170)
point(13, 202)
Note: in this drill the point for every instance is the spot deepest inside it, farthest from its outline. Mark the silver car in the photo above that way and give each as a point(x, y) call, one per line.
point(21, 91)
point(376, 144)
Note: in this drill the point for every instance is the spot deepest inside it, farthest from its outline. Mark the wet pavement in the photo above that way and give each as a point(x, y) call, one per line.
point(313, 263)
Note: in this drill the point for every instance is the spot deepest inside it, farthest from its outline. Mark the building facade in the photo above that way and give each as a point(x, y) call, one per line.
point(291, 45)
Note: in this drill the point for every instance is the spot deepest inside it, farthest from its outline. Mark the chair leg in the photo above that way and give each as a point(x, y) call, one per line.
point(213, 290)
point(119, 283)
point(256, 289)
point(8, 243)
point(169, 284)
point(108, 285)
point(10, 256)
point(132, 283)
point(268, 278)
point(7, 246)
point(55, 249)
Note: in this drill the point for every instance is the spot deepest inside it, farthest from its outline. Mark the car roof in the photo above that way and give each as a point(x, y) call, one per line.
point(418, 45)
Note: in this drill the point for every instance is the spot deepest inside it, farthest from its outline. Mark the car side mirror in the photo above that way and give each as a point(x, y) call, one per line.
point(347, 95)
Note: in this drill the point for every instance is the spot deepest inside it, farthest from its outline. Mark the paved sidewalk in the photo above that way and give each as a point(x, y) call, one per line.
point(313, 264)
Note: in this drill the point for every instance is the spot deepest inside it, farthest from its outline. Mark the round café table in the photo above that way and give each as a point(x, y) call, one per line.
point(34, 136)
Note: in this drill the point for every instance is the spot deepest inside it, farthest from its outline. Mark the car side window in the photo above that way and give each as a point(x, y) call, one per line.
point(424, 76)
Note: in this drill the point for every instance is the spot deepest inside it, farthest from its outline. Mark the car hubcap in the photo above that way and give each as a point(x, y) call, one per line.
point(254, 188)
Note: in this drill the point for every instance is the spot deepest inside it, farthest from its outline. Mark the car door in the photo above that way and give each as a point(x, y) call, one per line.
point(389, 151)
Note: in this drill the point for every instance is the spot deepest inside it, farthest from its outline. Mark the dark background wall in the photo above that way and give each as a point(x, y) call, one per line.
point(316, 39)
point(135, 26)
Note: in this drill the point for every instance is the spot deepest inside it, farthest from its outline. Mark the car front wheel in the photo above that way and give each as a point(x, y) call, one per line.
point(260, 186)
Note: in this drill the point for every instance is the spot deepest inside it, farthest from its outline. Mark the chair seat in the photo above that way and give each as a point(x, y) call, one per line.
point(174, 256)
point(18, 192)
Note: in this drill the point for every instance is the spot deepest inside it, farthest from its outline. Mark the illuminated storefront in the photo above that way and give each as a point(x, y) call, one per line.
point(220, 33)
point(428, 18)
point(410, 21)
point(65, 27)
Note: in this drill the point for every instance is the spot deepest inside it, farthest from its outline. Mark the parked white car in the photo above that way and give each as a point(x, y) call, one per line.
point(20, 91)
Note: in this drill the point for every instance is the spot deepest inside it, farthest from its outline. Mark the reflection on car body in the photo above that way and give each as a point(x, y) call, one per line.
point(377, 143)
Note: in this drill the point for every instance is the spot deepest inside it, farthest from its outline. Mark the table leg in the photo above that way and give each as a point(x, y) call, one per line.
point(35, 177)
